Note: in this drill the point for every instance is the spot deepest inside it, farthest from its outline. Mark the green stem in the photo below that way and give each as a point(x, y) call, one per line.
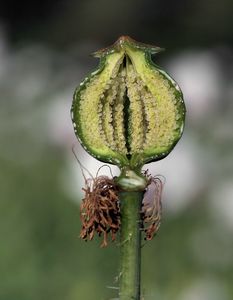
point(130, 245)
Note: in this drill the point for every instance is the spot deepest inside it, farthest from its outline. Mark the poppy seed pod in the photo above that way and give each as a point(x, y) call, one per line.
point(128, 112)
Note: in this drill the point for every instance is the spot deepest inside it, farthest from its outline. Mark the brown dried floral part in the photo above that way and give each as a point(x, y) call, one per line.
point(152, 206)
point(100, 212)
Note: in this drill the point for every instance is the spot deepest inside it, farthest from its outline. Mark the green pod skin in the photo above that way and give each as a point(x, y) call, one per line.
point(128, 112)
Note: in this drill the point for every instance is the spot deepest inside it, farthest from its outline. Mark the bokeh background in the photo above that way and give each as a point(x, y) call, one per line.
point(44, 54)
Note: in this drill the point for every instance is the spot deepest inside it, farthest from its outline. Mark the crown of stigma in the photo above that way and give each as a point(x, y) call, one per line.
point(128, 112)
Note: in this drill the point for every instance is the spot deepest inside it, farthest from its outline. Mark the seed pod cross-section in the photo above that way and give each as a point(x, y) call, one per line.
point(128, 112)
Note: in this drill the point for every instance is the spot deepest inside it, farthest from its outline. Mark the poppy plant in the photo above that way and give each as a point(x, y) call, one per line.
point(128, 112)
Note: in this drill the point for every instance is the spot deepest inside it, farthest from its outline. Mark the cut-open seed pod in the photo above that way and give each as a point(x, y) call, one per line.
point(128, 112)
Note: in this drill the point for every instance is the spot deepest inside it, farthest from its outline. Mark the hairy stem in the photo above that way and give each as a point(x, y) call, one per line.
point(130, 245)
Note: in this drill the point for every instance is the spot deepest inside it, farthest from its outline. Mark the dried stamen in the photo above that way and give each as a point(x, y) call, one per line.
point(152, 207)
point(100, 209)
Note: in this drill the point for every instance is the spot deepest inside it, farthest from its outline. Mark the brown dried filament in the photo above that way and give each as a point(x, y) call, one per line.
point(100, 211)
point(152, 207)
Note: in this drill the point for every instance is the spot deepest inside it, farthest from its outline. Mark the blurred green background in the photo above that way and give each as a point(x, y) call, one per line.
point(44, 53)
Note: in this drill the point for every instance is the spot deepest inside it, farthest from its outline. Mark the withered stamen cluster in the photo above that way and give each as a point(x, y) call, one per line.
point(152, 207)
point(100, 210)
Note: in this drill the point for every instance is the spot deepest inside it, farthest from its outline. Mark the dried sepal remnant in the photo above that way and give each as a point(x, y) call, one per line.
point(152, 207)
point(128, 107)
point(100, 209)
